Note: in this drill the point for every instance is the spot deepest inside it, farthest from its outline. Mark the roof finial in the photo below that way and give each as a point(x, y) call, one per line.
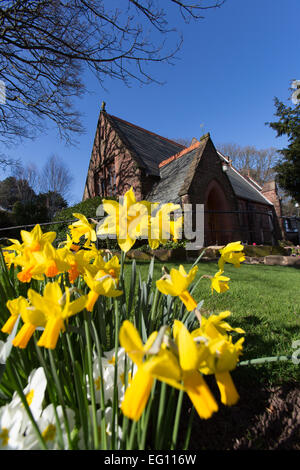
point(103, 106)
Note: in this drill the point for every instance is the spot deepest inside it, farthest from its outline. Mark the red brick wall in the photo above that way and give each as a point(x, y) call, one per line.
point(110, 155)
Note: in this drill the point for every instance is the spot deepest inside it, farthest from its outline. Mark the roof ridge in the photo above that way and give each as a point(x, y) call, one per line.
point(179, 154)
point(146, 130)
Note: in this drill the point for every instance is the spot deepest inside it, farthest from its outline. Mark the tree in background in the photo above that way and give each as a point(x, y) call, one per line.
point(13, 190)
point(250, 161)
point(46, 45)
point(31, 197)
point(55, 177)
point(288, 168)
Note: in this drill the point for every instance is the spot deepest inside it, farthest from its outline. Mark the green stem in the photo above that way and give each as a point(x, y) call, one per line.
point(60, 395)
point(161, 410)
point(262, 360)
point(189, 430)
point(115, 396)
point(80, 391)
point(177, 419)
point(153, 313)
point(102, 398)
point(132, 436)
point(51, 394)
point(91, 381)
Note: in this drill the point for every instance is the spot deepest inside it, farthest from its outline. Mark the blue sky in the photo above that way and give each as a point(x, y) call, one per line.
point(231, 66)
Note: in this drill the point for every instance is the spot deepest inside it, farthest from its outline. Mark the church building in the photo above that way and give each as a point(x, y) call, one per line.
point(125, 155)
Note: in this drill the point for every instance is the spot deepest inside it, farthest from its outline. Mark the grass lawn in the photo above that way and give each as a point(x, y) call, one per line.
point(263, 300)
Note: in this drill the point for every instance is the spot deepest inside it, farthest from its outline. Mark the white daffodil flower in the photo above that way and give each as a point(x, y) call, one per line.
point(34, 393)
point(11, 437)
point(48, 428)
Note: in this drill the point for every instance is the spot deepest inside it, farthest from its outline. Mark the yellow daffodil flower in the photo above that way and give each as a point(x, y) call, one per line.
point(34, 240)
point(223, 355)
point(82, 228)
point(78, 262)
point(231, 253)
point(191, 356)
point(111, 267)
point(219, 283)
point(49, 261)
point(138, 391)
point(15, 307)
point(52, 309)
point(177, 367)
point(32, 319)
point(161, 228)
point(218, 322)
point(176, 284)
point(127, 221)
point(101, 283)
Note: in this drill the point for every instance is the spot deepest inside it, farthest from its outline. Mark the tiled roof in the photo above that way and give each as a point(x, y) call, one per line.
point(175, 175)
point(242, 187)
point(150, 148)
point(175, 164)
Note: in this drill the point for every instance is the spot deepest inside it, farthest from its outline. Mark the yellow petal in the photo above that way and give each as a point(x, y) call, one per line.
point(165, 367)
point(188, 301)
point(24, 335)
point(131, 341)
point(179, 281)
point(187, 348)
point(137, 395)
point(126, 243)
point(91, 300)
point(9, 324)
point(129, 198)
point(53, 292)
point(229, 394)
point(200, 394)
point(166, 287)
point(51, 333)
point(76, 306)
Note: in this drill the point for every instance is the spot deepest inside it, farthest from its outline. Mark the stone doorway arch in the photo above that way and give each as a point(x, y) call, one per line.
point(218, 223)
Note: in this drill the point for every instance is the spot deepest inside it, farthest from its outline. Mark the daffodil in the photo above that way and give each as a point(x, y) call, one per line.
point(49, 261)
point(218, 322)
point(223, 355)
point(34, 393)
point(191, 355)
point(176, 284)
point(127, 221)
point(82, 228)
point(48, 427)
point(32, 318)
point(101, 283)
point(161, 227)
point(231, 253)
point(10, 424)
point(111, 267)
point(57, 308)
point(32, 241)
point(178, 367)
point(78, 263)
point(15, 306)
point(219, 283)
point(138, 392)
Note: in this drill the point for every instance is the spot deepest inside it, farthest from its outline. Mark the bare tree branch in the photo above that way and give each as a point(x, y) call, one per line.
point(45, 46)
